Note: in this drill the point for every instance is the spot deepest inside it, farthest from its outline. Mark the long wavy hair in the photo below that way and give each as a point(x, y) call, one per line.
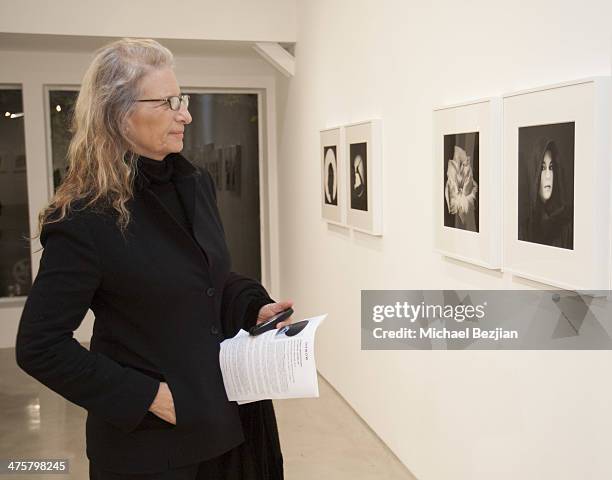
point(101, 166)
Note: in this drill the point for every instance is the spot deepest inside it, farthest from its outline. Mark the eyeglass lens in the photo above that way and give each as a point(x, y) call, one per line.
point(175, 102)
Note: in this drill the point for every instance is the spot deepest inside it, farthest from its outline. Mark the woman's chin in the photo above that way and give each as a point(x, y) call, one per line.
point(176, 147)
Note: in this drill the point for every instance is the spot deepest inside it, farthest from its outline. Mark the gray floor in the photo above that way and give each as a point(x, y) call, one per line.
point(321, 438)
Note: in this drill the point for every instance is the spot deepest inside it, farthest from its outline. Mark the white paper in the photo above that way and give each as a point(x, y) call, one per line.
point(271, 365)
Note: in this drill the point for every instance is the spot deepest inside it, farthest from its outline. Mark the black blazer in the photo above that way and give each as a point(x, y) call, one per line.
point(163, 301)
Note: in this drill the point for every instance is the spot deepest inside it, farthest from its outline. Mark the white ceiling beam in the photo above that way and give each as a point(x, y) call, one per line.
point(277, 56)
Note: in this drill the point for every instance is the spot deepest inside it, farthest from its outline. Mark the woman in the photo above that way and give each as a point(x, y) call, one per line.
point(134, 233)
point(548, 212)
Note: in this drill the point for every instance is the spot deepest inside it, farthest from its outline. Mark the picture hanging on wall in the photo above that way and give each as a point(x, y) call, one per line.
point(467, 187)
point(364, 174)
point(461, 181)
point(332, 203)
point(546, 184)
point(557, 184)
point(213, 162)
point(232, 155)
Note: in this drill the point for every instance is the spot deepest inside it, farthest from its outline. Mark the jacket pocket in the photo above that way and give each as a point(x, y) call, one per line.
point(152, 421)
point(177, 397)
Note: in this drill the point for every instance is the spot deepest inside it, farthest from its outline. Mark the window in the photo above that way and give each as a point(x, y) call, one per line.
point(61, 107)
point(15, 265)
point(224, 138)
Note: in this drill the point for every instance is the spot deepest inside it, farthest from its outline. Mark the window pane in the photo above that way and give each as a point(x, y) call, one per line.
point(15, 269)
point(61, 106)
point(224, 138)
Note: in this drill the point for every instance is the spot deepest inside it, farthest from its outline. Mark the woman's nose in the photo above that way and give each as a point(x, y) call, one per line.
point(184, 116)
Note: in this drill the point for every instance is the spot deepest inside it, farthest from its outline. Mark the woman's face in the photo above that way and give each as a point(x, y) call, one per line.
point(153, 128)
point(546, 177)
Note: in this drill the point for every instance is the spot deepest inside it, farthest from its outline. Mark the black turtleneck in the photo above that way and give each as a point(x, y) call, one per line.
point(160, 174)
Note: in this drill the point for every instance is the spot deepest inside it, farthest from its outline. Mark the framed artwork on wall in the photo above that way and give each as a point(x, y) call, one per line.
point(363, 169)
point(332, 184)
point(232, 159)
point(557, 184)
point(467, 185)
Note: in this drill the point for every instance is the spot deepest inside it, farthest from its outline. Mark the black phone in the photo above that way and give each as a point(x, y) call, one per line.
point(271, 323)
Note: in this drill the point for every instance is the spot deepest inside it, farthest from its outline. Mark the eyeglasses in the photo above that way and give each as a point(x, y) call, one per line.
point(175, 102)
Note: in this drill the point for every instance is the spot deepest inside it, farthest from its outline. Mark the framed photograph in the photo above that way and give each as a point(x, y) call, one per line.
point(363, 146)
point(218, 174)
point(467, 185)
point(211, 161)
point(332, 184)
point(232, 155)
point(557, 184)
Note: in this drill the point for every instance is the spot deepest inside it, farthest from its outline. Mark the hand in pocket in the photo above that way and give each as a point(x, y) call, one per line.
point(163, 404)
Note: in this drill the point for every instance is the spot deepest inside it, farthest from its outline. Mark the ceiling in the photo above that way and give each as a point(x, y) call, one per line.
point(83, 44)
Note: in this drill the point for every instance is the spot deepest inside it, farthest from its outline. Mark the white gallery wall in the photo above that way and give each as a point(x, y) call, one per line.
point(460, 415)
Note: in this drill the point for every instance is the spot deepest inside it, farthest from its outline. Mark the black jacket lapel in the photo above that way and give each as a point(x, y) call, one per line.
point(184, 178)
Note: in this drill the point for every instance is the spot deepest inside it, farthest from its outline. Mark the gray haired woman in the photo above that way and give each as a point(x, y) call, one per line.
point(134, 234)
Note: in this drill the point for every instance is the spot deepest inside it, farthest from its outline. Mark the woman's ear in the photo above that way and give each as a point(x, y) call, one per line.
point(126, 127)
point(126, 132)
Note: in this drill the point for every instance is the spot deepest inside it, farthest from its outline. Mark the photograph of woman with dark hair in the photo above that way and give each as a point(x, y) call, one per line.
point(546, 178)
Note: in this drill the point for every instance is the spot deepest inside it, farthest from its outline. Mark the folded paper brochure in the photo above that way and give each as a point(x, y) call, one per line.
point(277, 364)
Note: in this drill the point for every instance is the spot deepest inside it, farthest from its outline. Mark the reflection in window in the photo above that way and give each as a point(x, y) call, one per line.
point(61, 107)
point(224, 138)
point(15, 265)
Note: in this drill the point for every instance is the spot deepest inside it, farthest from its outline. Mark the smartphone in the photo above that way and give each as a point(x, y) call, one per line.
point(271, 323)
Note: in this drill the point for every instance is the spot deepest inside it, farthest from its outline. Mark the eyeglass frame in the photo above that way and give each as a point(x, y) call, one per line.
point(183, 99)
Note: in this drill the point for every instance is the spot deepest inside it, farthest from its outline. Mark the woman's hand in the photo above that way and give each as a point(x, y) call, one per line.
point(163, 405)
point(272, 309)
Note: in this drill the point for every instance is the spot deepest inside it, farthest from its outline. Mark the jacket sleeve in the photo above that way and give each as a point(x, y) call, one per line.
point(240, 304)
point(60, 296)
